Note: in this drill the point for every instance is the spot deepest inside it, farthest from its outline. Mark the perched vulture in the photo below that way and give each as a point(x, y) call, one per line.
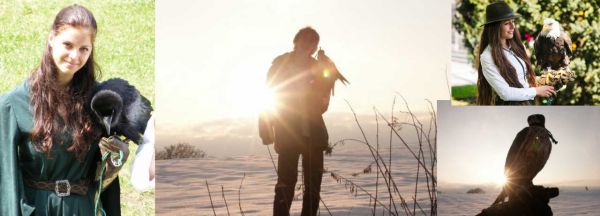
point(552, 46)
point(121, 109)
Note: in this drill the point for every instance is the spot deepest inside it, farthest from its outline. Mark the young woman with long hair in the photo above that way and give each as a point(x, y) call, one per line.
point(49, 142)
point(505, 74)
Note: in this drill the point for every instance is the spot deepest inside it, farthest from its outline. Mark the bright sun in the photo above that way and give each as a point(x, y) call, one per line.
point(266, 100)
point(248, 95)
point(249, 100)
point(500, 180)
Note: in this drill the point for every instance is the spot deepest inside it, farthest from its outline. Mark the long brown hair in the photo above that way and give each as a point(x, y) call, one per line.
point(57, 110)
point(491, 37)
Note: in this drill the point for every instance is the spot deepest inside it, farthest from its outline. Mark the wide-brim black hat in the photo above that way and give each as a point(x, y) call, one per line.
point(499, 11)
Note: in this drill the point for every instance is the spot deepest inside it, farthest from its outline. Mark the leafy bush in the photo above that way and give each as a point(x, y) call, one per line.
point(180, 151)
point(579, 19)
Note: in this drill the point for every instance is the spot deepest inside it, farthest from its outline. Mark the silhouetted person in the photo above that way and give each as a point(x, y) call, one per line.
point(526, 157)
point(302, 87)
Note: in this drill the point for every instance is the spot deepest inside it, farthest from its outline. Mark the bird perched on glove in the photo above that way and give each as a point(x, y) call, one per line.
point(121, 109)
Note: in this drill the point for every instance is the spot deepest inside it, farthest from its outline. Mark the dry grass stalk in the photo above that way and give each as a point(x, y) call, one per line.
point(225, 200)
point(426, 140)
point(210, 197)
point(424, 136)
point(240, 195)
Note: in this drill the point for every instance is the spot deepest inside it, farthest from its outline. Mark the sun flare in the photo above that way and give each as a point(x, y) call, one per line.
point(266, 100)
point(248, 95)
point(500, 180)
point(326, 73)
point(251, 100)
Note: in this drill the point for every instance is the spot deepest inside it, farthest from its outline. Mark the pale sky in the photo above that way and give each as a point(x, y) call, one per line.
point(212, 56)
point(473, 143)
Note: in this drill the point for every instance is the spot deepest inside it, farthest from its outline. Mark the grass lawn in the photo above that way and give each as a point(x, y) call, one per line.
point(467, 94)
point(132, 202)
point(124, 47)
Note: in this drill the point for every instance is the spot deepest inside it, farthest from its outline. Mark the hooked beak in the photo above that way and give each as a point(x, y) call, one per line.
point(545, 28)
point(107, 120)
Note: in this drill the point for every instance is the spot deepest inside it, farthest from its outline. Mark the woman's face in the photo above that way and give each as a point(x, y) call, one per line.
point(71, 48)
point(507, 29)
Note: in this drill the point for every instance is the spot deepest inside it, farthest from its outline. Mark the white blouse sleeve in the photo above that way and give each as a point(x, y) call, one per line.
point(501, 87)
point(140, 169)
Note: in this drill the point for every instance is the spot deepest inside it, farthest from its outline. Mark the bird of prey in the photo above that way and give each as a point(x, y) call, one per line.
point(526, 157)
point(552, 46)
point(330, 71)
point(121, 109)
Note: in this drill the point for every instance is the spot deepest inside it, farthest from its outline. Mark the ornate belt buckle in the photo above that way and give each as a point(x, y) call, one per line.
point(62, 188)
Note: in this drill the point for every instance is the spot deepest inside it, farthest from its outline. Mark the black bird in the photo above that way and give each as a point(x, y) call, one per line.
point(121, 109)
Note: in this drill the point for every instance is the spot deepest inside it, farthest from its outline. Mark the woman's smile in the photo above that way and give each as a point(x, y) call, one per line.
point(71, 64)
point(507, 29)
point(71, 48)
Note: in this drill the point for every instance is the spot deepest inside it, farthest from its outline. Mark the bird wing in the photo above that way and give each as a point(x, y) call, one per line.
point(567, 43)
point(537, 152)
point(326, 62)
point(137, 115)
point(512, 156)
point(538, 51)
point(528, 154)
point(145, 112)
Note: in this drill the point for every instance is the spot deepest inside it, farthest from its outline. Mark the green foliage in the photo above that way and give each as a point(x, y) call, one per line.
point(579, 18)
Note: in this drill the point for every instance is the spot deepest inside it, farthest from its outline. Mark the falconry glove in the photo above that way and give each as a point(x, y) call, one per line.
point(114, 154)
point(556, 78)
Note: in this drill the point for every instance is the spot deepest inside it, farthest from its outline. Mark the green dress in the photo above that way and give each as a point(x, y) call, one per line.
point(21, 161)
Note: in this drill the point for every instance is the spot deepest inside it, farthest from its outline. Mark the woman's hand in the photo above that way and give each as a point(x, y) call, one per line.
point(118, 154)
point(113, 145)
point(544, 91)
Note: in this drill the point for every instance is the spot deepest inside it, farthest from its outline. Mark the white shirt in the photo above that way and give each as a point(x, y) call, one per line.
point(140, 169)
point(500, 86)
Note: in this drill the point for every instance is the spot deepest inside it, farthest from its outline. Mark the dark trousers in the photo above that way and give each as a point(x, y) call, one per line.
point(287, 174)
